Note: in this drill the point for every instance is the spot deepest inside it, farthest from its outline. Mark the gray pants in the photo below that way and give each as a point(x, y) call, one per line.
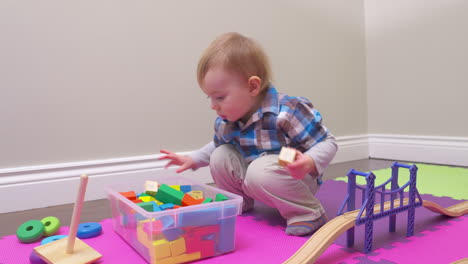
point(266, 181)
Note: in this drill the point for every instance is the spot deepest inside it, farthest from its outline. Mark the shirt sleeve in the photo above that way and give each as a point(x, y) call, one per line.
point(323, 153)
point(201, 157)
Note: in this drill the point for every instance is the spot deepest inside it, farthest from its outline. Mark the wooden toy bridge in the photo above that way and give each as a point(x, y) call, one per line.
point(371, 211)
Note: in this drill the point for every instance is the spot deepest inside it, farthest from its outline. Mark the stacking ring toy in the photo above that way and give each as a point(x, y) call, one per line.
point(30, 231)
point(51, 225)
point(51, 239)
point(89, 230)
point(35, 259)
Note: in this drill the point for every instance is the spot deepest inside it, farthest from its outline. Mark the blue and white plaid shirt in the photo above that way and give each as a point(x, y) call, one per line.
point(281, 120)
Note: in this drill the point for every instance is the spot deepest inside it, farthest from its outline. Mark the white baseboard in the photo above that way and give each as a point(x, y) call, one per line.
point(41, 186)
point(352, 148)
point(427, 149)
point(49, 185)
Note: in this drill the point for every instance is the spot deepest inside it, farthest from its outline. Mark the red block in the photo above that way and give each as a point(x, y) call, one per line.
point(152, 227)
point(129, 195)
point(207, 248)
point(205, 230)
point(192, 244)
point(137, 201)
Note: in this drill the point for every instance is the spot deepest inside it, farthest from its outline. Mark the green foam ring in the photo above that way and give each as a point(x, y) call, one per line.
point(51, 225)
point(30, 231)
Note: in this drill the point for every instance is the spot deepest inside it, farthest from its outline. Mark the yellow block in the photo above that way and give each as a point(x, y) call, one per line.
point(187, 257)
point(158, 202)
point(142, 236)
point(147, 198)
point(160, 249)
point(177, 187)
point(196, 194)
point(169, 260)
point(178, 247)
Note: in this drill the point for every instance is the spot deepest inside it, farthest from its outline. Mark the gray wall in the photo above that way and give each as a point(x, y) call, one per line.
point(417, 67)
point(86, 80)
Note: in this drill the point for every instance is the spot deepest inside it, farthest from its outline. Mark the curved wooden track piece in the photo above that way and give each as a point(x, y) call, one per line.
point(453, 211)
point(313, 248)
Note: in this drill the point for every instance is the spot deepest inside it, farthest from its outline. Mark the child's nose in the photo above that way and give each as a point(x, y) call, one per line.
point(214, 105)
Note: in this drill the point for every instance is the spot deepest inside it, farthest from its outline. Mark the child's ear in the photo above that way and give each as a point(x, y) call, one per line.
point(255, 85)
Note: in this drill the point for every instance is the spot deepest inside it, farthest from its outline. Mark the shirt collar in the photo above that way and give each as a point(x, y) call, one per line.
point(270, 104)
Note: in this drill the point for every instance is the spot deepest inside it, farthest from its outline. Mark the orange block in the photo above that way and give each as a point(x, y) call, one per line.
point(189, 200)
point(129, 195)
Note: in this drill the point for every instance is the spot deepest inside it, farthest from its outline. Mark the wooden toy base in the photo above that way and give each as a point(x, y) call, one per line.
point(55, 252)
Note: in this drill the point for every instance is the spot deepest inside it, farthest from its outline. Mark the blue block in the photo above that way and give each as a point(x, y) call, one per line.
point(166, 206)
point(230, 210)
point(128, 220)
point(226, 235)
point(140, 217)
point(172, 234)
point(167, 221)
point(185, 188)
point(200, 217)
point(156, 207)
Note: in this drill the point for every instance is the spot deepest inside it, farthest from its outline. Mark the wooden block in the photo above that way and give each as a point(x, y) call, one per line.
point(148, 206)
point(204, 230)
point(166, 194)
point(178, 247)
point(203, 217)
point(55, 252)
point(196, 194)
point(207, 248)
point(187, 257)
point(146, 199)
point(208, 200)
point(169, 260)
point(189, 200)
point(129, 195)
point(185, 188)
point(151, 186)
point(160, 249)
point(286, 156)
point(176, 187)
point(142, 236)
point(192, 243)
point(220, 197)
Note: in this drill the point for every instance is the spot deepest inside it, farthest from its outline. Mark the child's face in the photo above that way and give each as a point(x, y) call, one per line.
point(231, 95)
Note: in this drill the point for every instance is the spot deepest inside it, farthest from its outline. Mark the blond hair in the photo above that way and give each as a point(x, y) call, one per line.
point(237, 53)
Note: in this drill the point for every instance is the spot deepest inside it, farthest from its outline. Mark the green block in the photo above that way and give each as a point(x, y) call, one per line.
point(150, 193)
point(207, 200)
point(143, 194)
point(167, 194)
point(148, 206)
point(220, 197)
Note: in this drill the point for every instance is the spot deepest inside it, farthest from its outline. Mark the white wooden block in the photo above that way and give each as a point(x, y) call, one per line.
point(286, 156)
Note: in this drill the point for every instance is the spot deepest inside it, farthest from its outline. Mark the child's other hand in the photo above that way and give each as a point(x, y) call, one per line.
point(185, 162)
point(302, 165)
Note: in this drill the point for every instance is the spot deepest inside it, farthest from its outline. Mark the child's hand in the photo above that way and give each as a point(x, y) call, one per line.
point(185, 162)
point(302, 165)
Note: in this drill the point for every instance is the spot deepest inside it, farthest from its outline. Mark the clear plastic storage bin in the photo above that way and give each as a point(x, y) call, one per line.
point(176, 235)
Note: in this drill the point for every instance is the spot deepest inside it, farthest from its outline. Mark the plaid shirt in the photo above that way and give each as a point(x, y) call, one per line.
point(281, 120)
